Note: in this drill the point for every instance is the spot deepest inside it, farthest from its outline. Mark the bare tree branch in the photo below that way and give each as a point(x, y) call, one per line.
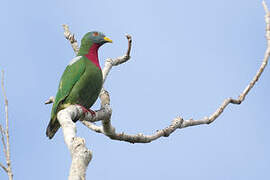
point(6, 132)
point(178, 122)
point(81, 156)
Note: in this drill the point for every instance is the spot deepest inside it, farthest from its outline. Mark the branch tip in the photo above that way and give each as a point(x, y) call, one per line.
point(265, 7)
point(50, 100)
point(71, 37)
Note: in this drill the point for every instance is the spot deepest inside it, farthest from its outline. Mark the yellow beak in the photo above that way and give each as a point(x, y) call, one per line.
point(107, 39)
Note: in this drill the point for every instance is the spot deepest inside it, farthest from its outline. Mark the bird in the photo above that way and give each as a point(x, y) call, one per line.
point(81, 81)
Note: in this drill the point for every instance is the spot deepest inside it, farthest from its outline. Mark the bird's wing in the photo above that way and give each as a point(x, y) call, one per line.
point(71, 75)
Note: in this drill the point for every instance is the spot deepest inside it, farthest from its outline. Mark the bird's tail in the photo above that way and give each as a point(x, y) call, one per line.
point(52, 128)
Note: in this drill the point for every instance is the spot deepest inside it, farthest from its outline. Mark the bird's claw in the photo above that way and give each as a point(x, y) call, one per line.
point(85, 110)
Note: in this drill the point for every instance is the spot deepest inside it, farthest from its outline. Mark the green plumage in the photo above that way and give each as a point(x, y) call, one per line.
point(80, 83)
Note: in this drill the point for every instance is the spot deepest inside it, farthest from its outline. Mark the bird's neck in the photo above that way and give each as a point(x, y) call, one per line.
point(91, 53)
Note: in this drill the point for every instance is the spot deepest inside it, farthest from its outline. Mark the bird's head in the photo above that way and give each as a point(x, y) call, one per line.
point(95, 37)
point(92, 39)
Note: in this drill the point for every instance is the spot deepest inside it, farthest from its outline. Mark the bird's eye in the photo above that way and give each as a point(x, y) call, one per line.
point(95, 34)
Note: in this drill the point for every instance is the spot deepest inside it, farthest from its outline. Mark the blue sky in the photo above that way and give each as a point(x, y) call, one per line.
point(187, 56)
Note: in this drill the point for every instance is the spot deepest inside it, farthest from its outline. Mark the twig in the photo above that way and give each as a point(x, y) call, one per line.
point(242, 96)
point(4, 168)
point(10, 174)
point(265, 6)
point(110, 62)
point(50, 100)
point(3, 134)
point(71, 38)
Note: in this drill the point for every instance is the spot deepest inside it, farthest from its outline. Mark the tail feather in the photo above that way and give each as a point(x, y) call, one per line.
point(52, 128)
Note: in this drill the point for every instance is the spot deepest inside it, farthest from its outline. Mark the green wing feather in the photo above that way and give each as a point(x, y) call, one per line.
point(70, 77)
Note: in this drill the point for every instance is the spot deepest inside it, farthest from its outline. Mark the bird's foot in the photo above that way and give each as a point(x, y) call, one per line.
point(93, 113)
point(85, 110)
